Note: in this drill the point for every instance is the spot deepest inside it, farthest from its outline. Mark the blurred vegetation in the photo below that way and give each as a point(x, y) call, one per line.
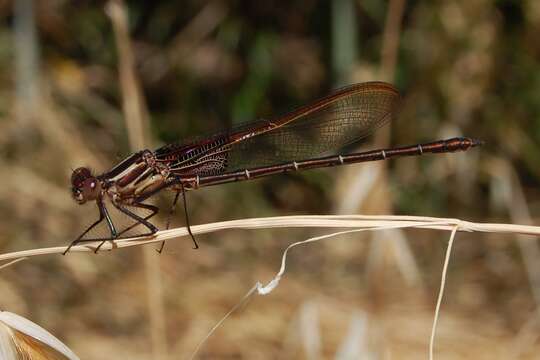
point(465, 68)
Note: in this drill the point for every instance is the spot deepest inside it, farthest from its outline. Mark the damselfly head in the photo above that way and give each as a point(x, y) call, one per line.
point(84, 185)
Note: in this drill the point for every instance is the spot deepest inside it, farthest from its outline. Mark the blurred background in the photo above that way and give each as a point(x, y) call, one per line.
point(83, 83)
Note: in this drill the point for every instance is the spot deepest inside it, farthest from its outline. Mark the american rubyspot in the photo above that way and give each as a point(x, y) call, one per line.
point(288, 143)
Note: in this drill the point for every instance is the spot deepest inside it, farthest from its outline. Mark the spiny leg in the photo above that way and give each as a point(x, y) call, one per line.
point(103, 214)
point(139, 220)
point(171, 212)
point(188, 226)
point(168, 224)
point(110, 224)
point(78, 240)
point(154, 210)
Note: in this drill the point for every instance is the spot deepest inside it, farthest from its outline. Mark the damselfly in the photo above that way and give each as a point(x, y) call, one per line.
point(292, 142)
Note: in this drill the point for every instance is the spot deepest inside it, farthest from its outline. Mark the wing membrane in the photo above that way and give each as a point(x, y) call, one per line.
point(346, 117)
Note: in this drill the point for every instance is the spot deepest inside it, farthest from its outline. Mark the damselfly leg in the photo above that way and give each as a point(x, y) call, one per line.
point(153, 211)
point(114, 233)
point(171, 213)
point(139, 220)
point(103, 214)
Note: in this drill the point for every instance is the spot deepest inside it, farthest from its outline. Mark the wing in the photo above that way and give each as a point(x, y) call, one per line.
point(347, 116)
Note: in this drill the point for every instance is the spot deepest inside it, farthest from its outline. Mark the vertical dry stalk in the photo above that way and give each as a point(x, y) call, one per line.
point(136, 119)
point(390, 45)
point(135, 113)
point(26, 61)
point(202, 25)
point(344, 39)
point(361, 183)
point(389, 50)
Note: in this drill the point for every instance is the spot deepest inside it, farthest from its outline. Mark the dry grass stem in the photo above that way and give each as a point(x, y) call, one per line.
point(222, 320)
point(12, 262)
point(441, 292)
point(367, 222)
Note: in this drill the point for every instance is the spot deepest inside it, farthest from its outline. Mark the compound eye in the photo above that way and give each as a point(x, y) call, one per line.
point(79, 175)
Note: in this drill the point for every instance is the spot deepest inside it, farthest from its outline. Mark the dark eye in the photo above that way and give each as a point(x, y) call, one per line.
point(92, 184)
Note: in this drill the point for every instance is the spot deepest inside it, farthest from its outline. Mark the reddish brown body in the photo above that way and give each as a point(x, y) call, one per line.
point(288, 143)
